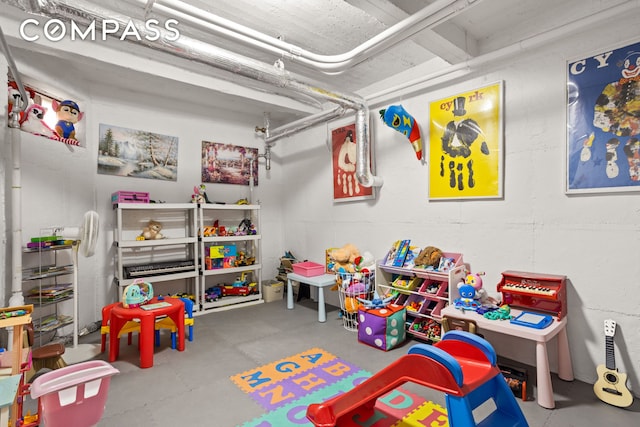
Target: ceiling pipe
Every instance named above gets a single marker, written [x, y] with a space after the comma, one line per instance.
[271, 136]
[83, 12]
[428, 17]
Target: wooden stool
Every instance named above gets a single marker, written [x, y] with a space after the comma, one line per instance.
[48, 356]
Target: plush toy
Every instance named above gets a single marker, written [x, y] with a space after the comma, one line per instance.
[32, 122]
[68, 114]
[152, 231]
[396, 117]
[467, 297]
[365, 263]
[344, 258]
[481, 295]
[429, 256]
[14, 97]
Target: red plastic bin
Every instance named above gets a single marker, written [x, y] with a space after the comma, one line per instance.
[308, 269]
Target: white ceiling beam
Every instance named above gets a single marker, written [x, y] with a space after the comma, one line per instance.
[458, 46]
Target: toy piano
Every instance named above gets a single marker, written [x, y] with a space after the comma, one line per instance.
[544, 293]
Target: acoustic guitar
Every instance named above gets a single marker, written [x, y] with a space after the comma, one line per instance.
[611, 385]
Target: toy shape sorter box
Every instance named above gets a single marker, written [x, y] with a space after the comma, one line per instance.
[382, 328]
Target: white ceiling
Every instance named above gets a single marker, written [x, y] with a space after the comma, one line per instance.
[473, 30]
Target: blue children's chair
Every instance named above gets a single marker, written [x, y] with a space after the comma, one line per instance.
[462, 365]
[167, 323]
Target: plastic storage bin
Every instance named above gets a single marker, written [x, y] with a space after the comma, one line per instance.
[75, 395]
[308, 269]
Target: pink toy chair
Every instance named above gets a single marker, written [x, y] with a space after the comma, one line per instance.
[128, 329]
[74, 396]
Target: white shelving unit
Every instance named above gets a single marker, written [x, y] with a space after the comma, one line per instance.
[229, 217]
[47, 284]
[174, 257]
[429, 291]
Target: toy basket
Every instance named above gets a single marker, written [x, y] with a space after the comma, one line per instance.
[350, 287]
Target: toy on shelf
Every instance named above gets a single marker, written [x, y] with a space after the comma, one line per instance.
[68, 113]
[428, 327]
[33, 121]
[213, 293]
[152, 231]
[246, 228]
[430, 256]
[199, 194]
[136, 294]
[240, 287]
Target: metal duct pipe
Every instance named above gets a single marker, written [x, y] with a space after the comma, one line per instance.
[83, 12]
[428, 17]
[302, 124]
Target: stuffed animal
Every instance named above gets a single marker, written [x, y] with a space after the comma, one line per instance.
[481, 295]
[14, 97]
[152, 231]
[33, 122]
[429, 256]
[344, 258]
[68, 114]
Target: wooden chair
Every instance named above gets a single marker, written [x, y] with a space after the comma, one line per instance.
[457, 324]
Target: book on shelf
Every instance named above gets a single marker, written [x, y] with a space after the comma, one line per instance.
[52, 322]
[398, 253]
[50, 293]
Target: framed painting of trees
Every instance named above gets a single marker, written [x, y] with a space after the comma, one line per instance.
[137, 153]
[229, 164]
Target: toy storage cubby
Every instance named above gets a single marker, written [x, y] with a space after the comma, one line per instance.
[47, 284]
[230, 256]
[423, 292]
[170, 264]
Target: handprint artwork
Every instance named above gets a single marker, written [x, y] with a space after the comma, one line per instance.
[466, 143]
[345, 184]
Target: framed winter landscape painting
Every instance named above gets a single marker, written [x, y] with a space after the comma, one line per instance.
[137, 153]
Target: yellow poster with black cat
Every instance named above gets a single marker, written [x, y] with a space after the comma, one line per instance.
[466, 144]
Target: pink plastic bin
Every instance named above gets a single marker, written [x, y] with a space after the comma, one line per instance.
[73, 396]
[308, 269]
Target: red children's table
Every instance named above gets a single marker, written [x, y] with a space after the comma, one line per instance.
[120, 316]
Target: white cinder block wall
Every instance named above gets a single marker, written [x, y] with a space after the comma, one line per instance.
[593, 239]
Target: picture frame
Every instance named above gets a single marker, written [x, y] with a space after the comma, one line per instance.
[229, 164]
[602, 150]
[466, 140]
[137, 154]
[346, 187]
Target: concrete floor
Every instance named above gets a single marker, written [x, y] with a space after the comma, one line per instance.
[192, 388]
